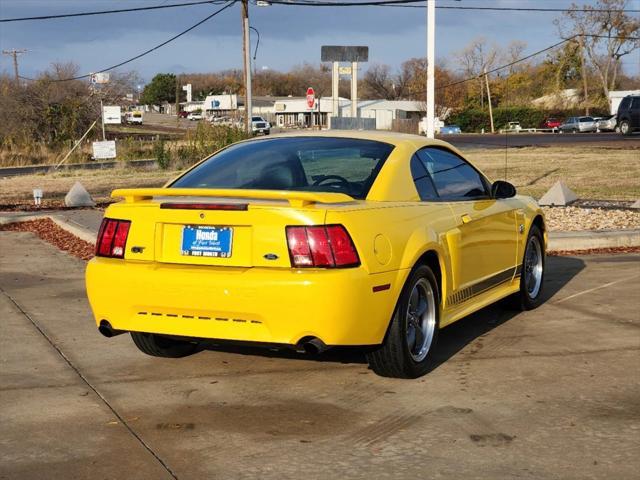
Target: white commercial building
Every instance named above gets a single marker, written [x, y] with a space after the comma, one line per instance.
[615, 97]
[386, 111]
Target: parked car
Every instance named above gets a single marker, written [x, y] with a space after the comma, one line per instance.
[606, 124]
[513, 127]
[282, 242]
[629, 114]
[578, 125]
[260, 125]
[551, 123]
[134, 117]
[183, 114]
[221, 121]
[193, 116]
[450, 130]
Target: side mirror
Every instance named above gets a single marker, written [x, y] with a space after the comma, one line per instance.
[502, 189]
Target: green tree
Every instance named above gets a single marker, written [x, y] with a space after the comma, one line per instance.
[162, 88]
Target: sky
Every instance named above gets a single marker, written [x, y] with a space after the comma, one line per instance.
[289, 35]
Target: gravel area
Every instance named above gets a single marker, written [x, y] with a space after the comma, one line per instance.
[568, 219]
[52, 233]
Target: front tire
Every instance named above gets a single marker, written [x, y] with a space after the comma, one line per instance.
[413, 332]
[159, 346]
[532, 273]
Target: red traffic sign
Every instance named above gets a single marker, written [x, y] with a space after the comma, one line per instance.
[311, 97]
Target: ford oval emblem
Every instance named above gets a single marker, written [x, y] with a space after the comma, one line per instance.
[270, 256]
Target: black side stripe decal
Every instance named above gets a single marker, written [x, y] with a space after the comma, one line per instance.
[466, 293]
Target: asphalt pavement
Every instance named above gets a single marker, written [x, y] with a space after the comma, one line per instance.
[547, 394]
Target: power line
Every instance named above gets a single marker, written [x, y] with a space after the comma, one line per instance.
[208, 17]
[104, 12]
[411, 4]
[510, 64]
[318, 3]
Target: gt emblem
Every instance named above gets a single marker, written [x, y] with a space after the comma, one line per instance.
[521, 228]
[270, 256]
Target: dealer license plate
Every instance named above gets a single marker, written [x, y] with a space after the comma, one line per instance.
[207, 241]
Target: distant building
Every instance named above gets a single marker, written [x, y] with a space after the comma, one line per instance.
[295, 112]
[386, 111]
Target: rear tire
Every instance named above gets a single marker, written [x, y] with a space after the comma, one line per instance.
[532, 273]
[159, 346]
[625, 127]
[413, 331]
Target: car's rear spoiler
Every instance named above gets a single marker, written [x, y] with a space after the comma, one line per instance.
[295, 199]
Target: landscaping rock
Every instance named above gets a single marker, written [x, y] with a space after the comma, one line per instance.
[78, 197]
[558, 195]
[636, 204]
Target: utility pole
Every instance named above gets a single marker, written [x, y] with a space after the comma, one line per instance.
[486, 79]
[14, 53]
[431, 58]
[583, 74]
[178, 100]
[246, 50]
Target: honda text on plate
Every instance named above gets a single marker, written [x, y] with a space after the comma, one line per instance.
[310, 241]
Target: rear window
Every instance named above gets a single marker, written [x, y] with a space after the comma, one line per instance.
[315, 164]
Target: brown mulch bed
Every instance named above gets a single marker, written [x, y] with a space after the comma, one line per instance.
[47, 230]
[594, 251]
[27, 206]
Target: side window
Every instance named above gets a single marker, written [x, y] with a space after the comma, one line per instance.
[635, 103]
[453, 177]
[422, 180]
[625, 103]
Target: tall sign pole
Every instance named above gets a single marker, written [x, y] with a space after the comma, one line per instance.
[431, 57]
[246, 50]
[354, 89]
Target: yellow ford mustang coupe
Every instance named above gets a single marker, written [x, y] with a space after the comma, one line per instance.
[312, 241]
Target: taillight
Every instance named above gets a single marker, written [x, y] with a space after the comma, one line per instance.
[327, 246]
[112, 238]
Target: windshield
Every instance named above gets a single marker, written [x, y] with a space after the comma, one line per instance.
[315, 164]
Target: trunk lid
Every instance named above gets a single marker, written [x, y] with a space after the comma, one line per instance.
[234, 228]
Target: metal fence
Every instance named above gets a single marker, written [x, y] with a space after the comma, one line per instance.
[353, 123]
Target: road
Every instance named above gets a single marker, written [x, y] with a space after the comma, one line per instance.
[551, 393]
[519, 140]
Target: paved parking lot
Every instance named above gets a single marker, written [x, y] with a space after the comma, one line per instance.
[553, 393]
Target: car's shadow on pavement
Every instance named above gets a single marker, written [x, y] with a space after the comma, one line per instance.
[558, 272]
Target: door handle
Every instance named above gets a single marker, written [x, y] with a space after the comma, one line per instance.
[466, 218]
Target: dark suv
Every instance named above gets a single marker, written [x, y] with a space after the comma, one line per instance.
[629, 114]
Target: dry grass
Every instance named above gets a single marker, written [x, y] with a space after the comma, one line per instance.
[594, 173]
[99, 183]
[591, 172]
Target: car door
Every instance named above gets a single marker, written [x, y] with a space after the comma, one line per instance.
[485, 241]
[634, 112]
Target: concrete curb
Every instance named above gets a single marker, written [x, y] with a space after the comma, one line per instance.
[68, 225]
[566, 241]
[588, 239]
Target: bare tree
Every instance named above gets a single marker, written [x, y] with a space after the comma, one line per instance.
[477, 58]
[514, 52]
[606, 33]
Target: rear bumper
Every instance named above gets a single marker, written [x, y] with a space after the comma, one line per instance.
[268, 305]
